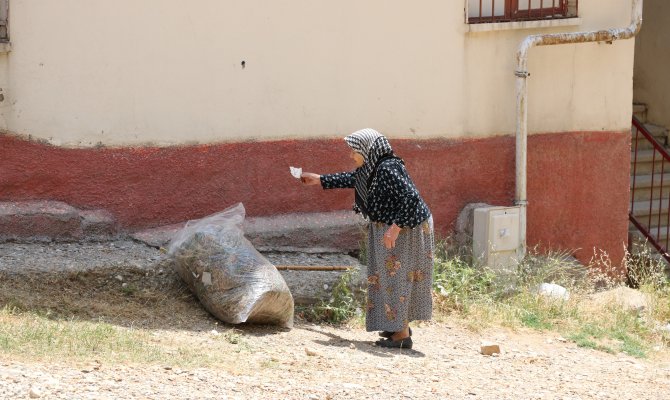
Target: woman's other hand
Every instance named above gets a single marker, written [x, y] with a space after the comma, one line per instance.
[391, 235]
[310, 179]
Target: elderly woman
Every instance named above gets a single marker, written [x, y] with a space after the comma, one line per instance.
[400, 234]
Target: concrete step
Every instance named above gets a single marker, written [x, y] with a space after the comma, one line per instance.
[657, 215]
[644, 144]
[337, 231]
[645, 159]
[46, 221]
[327, 232]
[643, 207]
[655, 223]
[658, 132]
[640, 111]
[660, 234]
[643, 189]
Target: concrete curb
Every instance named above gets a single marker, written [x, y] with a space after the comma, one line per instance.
[46, 221]
[330, 232]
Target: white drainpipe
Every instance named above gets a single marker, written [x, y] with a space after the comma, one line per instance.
[522, 74]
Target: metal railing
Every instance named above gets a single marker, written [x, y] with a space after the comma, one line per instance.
[488, 11]
[651, 216]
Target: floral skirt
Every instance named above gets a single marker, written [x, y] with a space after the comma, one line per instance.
[399, 279]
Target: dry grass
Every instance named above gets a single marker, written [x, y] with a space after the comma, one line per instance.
[137, 300]
[93, 315]
[28, 336]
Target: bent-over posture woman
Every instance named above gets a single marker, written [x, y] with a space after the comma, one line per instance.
[400, 234]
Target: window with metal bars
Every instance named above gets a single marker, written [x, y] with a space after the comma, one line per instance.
[4, 21]
[487, 11]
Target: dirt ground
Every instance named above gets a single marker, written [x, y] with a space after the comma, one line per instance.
[86, 281]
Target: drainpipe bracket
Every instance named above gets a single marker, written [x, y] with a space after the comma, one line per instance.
[522, 203]
[522, 74]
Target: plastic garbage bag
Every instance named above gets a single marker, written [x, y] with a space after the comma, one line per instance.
[232, 280]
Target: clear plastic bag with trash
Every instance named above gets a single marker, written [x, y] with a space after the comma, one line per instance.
[232, 280]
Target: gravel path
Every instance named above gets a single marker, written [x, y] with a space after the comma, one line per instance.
[323, 362]
[312, 362]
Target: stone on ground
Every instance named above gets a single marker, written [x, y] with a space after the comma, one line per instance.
[489, 348]
[624, 297]
[35, 393]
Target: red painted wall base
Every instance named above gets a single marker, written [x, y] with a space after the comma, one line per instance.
[577, 182]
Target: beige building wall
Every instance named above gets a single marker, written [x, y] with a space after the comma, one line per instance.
[652, 62]
[168, 72]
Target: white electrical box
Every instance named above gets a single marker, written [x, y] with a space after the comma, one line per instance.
[496, 236]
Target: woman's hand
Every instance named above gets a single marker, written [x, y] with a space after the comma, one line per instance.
[391, 235]
[310, 179]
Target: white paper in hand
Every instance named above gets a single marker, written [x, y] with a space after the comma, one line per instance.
[296, 172]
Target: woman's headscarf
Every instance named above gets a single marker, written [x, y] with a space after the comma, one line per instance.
[373, 146]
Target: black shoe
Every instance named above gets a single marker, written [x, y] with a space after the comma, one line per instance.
[387, 334]
[405, 343]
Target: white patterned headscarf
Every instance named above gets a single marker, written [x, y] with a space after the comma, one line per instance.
[372, 145]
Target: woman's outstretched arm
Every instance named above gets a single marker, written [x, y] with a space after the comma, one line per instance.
[339, 180]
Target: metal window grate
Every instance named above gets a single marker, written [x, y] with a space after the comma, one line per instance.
[487, 11]
[4, 21]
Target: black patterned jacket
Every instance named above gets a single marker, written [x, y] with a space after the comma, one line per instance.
[392, 196]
